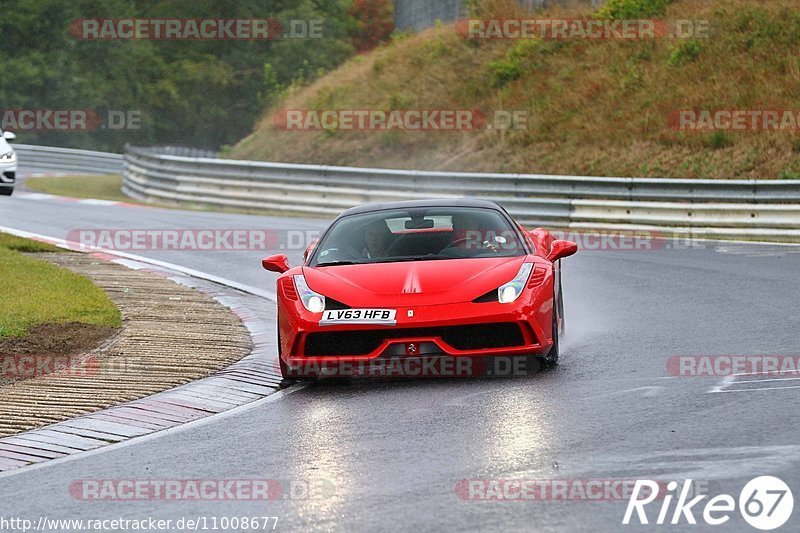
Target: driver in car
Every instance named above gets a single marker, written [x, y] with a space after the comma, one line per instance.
[466, 232]
[377, 236]
[470, 236]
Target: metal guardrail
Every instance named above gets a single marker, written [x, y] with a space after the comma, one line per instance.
[49, 159]
[739, 209]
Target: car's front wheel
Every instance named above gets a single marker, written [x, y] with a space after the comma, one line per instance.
[551, 359]
[284, 368]
[563, 321]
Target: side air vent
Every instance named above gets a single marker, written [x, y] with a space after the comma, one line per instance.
[289, 290]
[537, 277]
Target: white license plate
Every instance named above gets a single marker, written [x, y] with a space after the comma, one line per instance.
[385, 317]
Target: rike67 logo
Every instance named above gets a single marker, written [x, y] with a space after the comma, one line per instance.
[766, 503]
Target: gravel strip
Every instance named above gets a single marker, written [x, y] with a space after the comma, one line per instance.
[170, 335]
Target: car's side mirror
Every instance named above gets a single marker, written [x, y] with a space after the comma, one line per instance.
[542, 241]
[561, 249]
[9, 135]
[276, 263]
[310, 249]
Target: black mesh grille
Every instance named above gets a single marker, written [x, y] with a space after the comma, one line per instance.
[490, 296]
[472, 337]
[334, 305]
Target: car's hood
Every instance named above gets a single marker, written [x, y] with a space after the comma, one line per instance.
[413, 283]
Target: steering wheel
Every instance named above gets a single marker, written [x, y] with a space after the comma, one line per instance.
[390, 249]
[455, 243]
[485, 245]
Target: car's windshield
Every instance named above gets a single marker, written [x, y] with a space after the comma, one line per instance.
[418, 234]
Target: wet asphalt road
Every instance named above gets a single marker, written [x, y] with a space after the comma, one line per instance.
[389, 456]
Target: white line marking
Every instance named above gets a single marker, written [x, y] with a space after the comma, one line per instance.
[765, 380]
[761, 372]
[758, 389]
[726, 382]
[730, 380]
[158, 434]
[36, 196]
[91, 201]
[70, 245]
[650, 391]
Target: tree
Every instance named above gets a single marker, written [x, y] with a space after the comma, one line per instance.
[374, 23]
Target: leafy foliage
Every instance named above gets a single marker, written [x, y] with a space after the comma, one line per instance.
[374, 23]
[200, 93]
[684, 52]
[518, 61]
[633, 9]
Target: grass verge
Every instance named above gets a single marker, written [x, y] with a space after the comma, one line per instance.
[34, 292]
[109, 188]
[96, 187]
[594, 107]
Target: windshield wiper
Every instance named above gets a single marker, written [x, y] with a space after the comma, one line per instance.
[388, 260]
[339, 263]
[420, 258]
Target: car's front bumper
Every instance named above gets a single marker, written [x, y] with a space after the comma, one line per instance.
[8, 174]
[427, 341]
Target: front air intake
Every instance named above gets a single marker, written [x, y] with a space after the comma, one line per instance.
[465, 338]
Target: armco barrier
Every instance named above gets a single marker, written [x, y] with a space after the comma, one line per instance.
[736, 209]
[51, 160]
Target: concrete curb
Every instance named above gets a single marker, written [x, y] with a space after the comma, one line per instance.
[250, 379]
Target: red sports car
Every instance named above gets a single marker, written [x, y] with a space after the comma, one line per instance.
[433, 288]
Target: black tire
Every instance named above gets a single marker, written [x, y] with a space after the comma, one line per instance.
[551, 359]
[285, 374]
[6, 191]
[561, 315]
[534, 365]
[281, 364]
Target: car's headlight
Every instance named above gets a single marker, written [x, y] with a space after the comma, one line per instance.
[312, 301]
[10, 156]
[513, 289]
